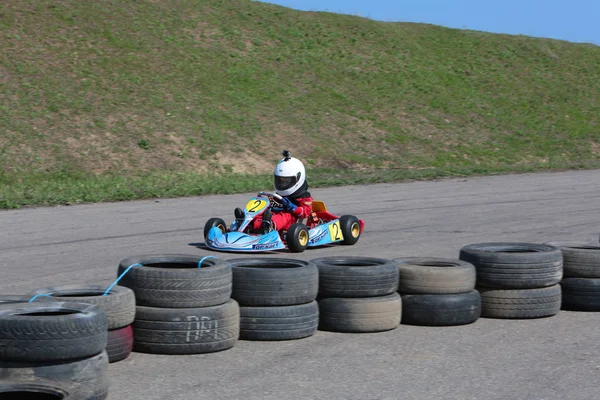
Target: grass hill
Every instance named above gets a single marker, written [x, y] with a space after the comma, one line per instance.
[112, 100]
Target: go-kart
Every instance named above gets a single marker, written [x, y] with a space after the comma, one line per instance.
[320, 228]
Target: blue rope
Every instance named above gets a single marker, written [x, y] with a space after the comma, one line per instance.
[120, 276]
[202, 259]
[39, 295]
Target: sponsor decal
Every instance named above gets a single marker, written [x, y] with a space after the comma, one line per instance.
[318, 237]
[264, 246]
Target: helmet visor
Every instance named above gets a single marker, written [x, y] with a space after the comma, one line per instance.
[285, 182]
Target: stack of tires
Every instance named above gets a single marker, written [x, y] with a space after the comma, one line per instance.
[516, 280]
[118, 306]
[183, 304]
[53, 349]
[581, 276]
[358, 294]
[276, 297]
[438, 292]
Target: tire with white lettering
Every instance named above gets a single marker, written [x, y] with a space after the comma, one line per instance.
[186, 330]
[367, 314]
[514, 265]
[119, 343]
[279, 322]
[261, 281]
[441, 309]
[351, 276]
[51, 331]
[118, 304]
[520, 304]
[435, 275]
[177, 281]
[580, 294]
[580, 260]
[89, 375]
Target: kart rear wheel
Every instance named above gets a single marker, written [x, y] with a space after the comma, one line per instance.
[350, 229]
[297, 238]
[211, 223]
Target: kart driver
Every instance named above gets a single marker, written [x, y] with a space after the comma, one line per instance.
[291, 185]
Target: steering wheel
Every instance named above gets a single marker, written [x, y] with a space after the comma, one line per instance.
[274, 198]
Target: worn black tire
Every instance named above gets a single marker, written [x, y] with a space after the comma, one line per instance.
[119, 344]
[211, 223]
[441, 309]
[520, 304]
[89, 375]
[435, 275]
[118, 305]
[350, 229]
[297, 238]
[352, 276]
[175, 281]
[580, 294]
[51, 331]
[40, 390]
[279, 322]
[514, 265]
[186, 330]
[261, 281]
[367, 314]
[580, 260]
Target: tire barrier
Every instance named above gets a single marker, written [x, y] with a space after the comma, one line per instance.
[183, 305]
[516, 280]
[358, 294]
[61, 344]
[118, 305]
[438, 291]
[276, 297]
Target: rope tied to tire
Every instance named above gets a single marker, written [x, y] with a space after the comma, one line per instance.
[39, 295]
[204, 258]
[121, 276]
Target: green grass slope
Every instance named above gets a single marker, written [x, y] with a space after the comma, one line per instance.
[111, 100]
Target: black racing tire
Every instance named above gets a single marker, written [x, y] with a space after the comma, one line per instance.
[175, 281]
[261, 281]
[435, 275]
[51, 331]
[39, 390]
[186, 330]
[118, 305]
[352, 276]
[297, 238]
[119, 344]
[350, 226]
[514, 265]
[211, 223]
[580, 260]
[580, 294]
[441, 309]
[89, 375]
[279, 322]
[14, 298]
[360, 315]
[520, 304]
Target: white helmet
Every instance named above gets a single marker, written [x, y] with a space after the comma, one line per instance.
[289, 175]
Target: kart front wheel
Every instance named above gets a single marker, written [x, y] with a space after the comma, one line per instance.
[350, 229]
[211, 223]
[297, 238]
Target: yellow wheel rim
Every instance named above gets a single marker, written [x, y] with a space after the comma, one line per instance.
[355, 231]
[222, 228]
[303, 238]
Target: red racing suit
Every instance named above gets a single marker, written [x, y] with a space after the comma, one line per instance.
[282, 220]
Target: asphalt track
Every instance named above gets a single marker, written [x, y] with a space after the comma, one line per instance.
[550, 358]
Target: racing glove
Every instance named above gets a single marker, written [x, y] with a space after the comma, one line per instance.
[287, 205]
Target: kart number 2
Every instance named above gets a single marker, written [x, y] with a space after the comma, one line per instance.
[335, 231]
[255, 205]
